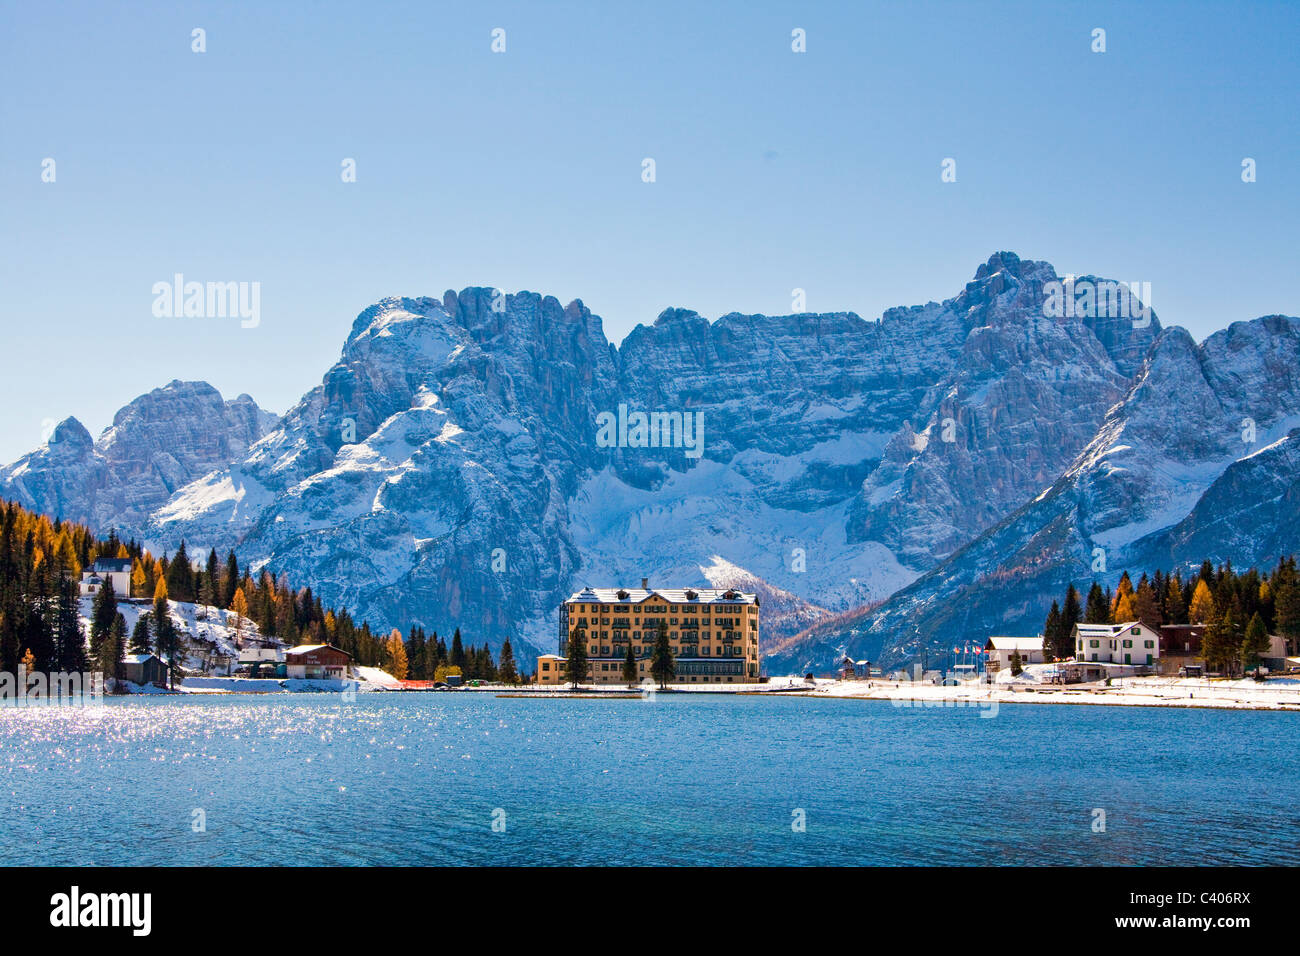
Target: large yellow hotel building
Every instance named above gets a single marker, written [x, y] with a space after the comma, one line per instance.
[713, 633]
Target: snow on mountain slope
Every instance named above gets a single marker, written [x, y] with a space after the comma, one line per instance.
[1161, 460]
[157, 444]
[209, 639]
[449, 470]
[1024, 397]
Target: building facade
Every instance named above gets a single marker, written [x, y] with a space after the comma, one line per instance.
[317, 662]
[999, 651]
[1133, 643]
[116, 570]
[144, 669]
[713, 633]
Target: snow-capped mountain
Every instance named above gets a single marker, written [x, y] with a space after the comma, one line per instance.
[449, 468]
[471, 460]
[156, 445]
[1198, 461]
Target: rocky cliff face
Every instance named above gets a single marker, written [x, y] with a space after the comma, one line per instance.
[1197, 461]
[156, 445]
[1024, 396]
[471, 460]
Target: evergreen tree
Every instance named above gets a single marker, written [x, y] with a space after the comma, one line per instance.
[111, 650]
[1286, 613]
[102, 615]
[662, 666]
[1175, 611]
[1098, 608]
[1017, 663]
[629, 666]
[1146, 604]
[1255, 642]
[180, 576]
[457, 656]
[141, 638]
[578, 666]
[69, 641]
[1071, 614]
[229, 580]
[415, 653]
[508, 672]
[1051, 632]
[1219, 646]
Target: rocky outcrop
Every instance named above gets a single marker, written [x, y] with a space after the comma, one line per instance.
[157, 444]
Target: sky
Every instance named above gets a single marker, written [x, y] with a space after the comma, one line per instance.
[774, 170]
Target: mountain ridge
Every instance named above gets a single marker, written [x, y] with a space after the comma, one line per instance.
[447, 469]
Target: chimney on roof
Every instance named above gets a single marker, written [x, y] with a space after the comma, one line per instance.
[645, 584]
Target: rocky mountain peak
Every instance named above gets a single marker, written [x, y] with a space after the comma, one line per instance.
[71, 436]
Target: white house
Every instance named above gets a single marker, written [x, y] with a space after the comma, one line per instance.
[261, 655]
[1133, 643]
[1000, 649]
[116, 570]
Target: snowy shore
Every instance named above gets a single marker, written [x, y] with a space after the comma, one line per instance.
[1275, 694]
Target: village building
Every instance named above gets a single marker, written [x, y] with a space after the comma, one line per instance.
[1275, 658]
[713, 633]
[854, 670]
[1180, 647]
[999, 651]
[550, 669]
[144, 669]
[317, 662]
[260, 661]
[1134, 643]
[116, 570]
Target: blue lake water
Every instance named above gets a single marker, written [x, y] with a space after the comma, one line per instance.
[420, 778]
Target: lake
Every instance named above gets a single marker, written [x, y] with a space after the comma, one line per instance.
[470, 778]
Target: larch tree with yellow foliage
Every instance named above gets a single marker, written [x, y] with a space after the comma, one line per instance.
[395, 651]
[239, 608]
[1202, 610]
[164, 631]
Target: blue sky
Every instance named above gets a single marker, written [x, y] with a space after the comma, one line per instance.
[522, 170]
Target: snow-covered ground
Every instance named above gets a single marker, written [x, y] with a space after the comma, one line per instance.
[376, 678]
[209, 637]
[1274, 694]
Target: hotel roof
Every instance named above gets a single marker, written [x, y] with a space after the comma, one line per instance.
[671, 595]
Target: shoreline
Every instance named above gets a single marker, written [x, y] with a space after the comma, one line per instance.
[1198, 693]
[1187, 693]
